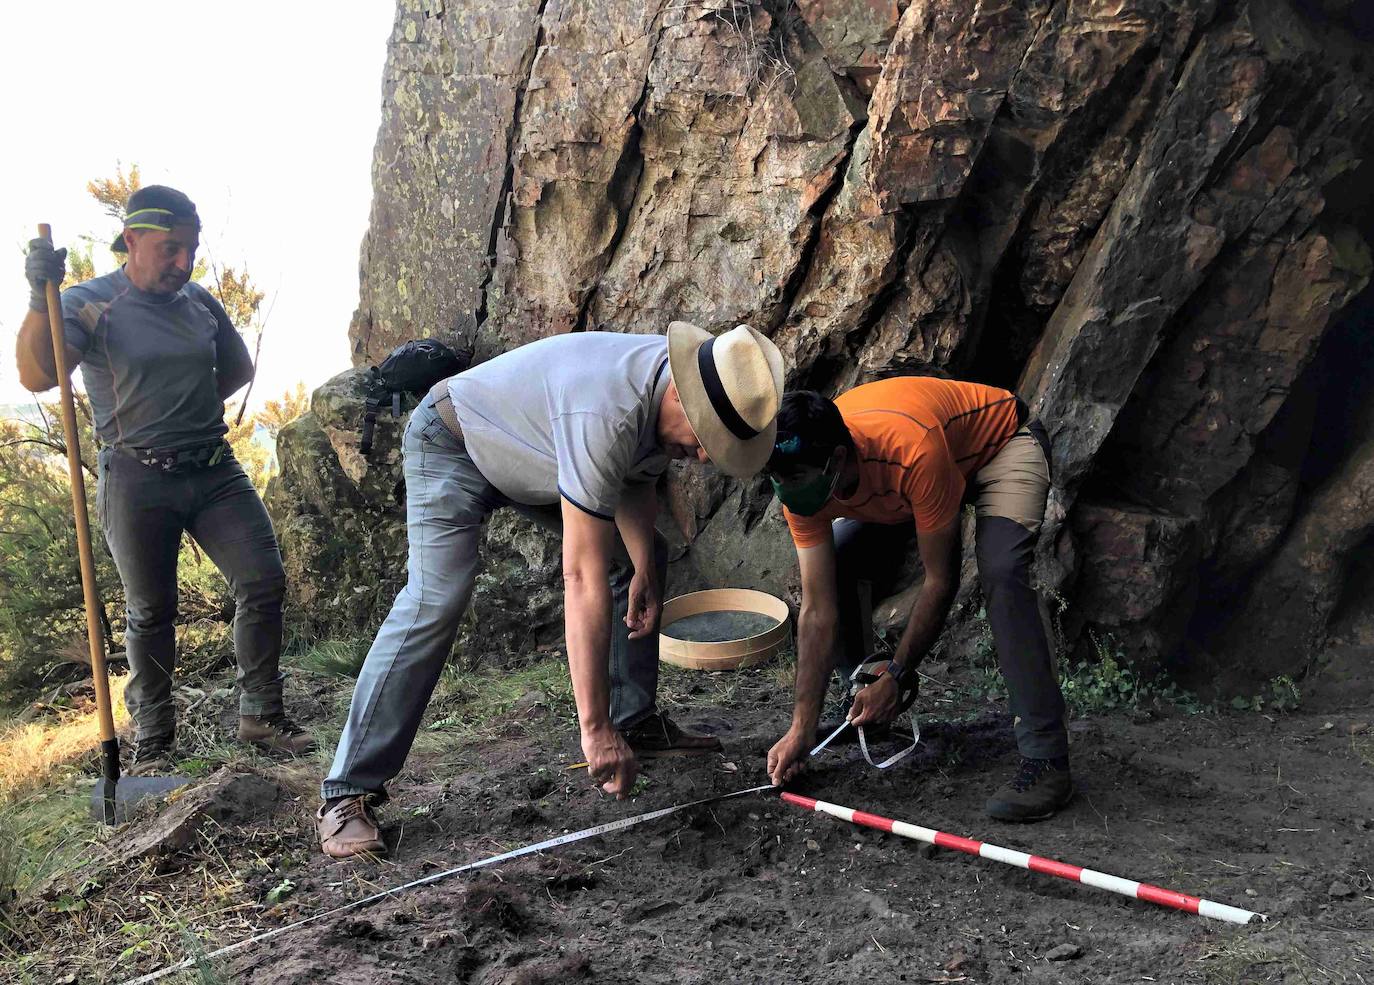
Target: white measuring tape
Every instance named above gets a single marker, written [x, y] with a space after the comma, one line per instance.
[892, 760]
[566, 839]
[860, 675]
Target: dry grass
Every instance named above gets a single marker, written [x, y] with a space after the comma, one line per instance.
[1362, 745]
[153, 912]
[1252, 960]
[30, 752]
[147, 912]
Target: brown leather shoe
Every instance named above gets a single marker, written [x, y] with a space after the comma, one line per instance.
[348, 828]
[658, 736]
[275, 733]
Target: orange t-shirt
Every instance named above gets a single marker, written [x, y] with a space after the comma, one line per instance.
[919, 438]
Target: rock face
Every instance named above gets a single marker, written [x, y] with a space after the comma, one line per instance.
[1150, 218]
[341, 522]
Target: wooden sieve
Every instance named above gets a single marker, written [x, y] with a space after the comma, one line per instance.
[725, 654]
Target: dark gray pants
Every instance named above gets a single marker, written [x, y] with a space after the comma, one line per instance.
[1009, 498]
[144, 512]
[448, 501]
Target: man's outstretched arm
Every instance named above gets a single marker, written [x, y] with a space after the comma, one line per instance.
[587, 544]
[816, 627]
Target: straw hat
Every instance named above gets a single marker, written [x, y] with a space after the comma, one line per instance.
[730, 386]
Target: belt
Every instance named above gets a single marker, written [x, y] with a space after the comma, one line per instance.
[443, 406]
[180, 459]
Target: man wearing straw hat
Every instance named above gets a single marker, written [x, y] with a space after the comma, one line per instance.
[158, 356]
[858, 477]
[572, 431]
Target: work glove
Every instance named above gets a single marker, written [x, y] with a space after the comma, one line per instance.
[43, 264]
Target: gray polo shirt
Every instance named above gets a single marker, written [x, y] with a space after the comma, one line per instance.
[574, 416]
[150, 361]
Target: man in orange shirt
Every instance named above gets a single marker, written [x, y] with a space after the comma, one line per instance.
[859, 476]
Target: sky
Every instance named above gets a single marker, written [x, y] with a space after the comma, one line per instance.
[264, 113]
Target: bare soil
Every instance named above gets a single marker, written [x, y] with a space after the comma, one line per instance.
[1272, 813]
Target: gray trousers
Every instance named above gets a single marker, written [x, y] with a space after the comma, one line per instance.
[1008, 495]
[144, 512]
[447, 502]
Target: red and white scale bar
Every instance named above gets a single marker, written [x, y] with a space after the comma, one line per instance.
[1022, 860]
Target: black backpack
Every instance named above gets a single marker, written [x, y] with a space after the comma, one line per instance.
[412, 367]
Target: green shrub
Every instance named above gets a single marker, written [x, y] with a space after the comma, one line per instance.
[1109, 683]
[42, 611]
[1282, 695]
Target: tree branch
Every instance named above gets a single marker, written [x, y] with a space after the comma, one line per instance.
[58, 447]
[257, 353]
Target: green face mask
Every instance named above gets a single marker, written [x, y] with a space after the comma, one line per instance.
[806, 498]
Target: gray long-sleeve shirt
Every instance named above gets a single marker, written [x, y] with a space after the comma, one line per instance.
[151, 362]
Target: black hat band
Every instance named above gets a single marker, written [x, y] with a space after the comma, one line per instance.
[720, 400]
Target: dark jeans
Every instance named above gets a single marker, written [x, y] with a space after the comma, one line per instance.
[144, 512]
[1009, 497]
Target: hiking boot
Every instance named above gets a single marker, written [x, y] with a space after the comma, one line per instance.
[1037, 791]
[275, 733]
[348, 828]
[152, 755]
[657, 735]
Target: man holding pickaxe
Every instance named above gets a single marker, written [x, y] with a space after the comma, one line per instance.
[857, 478]
[158, 356]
